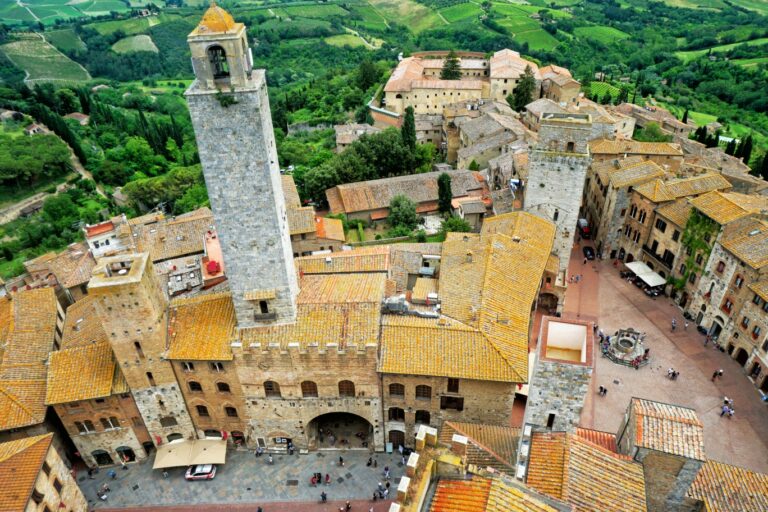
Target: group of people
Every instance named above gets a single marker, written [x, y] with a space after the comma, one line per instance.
[103, 491]
[727, 409]
[317, 478]
[672, 374]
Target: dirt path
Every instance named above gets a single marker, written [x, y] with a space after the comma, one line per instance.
[85, 173]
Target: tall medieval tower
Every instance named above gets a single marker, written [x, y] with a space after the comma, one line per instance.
[229, 106]
[133, 311]
[556, 173]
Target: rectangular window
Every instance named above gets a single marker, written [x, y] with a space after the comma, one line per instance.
[150, 378]
[756, 299]
[217, 367]
[187, 366]
[745, 322]
[661, 225]
[676, 236]
[756, 331]
[57, 485]
[452, 402]
[453, 385]
[46, 468]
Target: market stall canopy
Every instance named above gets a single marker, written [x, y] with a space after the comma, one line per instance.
[645, 273]
[191, 453]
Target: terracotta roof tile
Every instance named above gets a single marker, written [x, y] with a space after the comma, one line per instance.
[728, 207]
[488, 445]
[20, 464]
[461, 495]
[760, 288]
[301, 220]
[726, 488]
[290, 192]
[173, 238]
[632, 147]
[81, 373]
[605, 439]
[678, 212]
[747, 239]
[330, 229]
[512, 497]
[585, 475]
[423, 287]
[367, 259]
[202, 328]
[668, 428]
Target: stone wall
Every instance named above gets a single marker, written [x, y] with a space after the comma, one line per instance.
[484, 402]
[209, 376]
[109, 441]
[70, 494]
[290, 414]
[239, 159]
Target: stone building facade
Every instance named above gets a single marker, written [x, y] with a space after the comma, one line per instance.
[237, 150]
[106, 430]
[556, 174]
[757, 310]
[413, 400]
[132, 307]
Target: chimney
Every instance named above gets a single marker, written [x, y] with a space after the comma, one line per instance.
[459, 445]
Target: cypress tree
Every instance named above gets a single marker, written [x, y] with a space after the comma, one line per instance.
[408, 130]
[521, 96]
[764, 167]
[730, 148]
[685, 116]
[746, 149]
[444, 193]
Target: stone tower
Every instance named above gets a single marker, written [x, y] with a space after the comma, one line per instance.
[556, 173]
[229, 106]
[132, 308]
[559, 381]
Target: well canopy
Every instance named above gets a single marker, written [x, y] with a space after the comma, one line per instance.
[645, 273]
[190, 453]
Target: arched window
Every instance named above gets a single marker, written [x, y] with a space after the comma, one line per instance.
[218, 59]
[110, 423]
[347, 388]
[556, 215]
[272, 389]
[720, 266]
[308, 389]
[569, 148]
[231, 412]
[80, 427]
[399, 96]
[739, 281]
[223, 387]
[174, 437]
[195, 386]
[423, 393]
[89, 426]
[202, 411]
[396, 414]
[396, 390]
[422, 417]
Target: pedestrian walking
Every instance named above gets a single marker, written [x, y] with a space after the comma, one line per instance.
[313, 481]
[386, 493]
[724, 410]
[714, 375]
[381, 487]
[341, 461]
[323, 497]
[707, 339]
[386, 472]
[112, 474]
[348, 506]
[720, 373]
[270, 460]
[674, 324]
[600, 391]
[731, 412]
[670, 372]
[685, 325]
[165, 473]
[370, 462]
[375, 463]
[585, 261]
[327, 479]
[259, 509]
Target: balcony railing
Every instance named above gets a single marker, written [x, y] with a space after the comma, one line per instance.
[666, 264]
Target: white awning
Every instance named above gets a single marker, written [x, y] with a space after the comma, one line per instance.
[190, 453]
[645, 273]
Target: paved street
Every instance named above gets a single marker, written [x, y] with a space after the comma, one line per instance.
[246, 479]
[603, 295]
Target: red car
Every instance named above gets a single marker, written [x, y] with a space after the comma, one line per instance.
[201, 472]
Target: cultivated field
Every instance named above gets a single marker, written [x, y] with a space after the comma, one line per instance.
[460, 12]
[415, 16]
[131, 44]
[694, 54]
[42, 62]
[603, 34]
[65, 40]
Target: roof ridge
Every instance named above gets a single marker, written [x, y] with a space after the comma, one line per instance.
[13, 398]
[483, 446]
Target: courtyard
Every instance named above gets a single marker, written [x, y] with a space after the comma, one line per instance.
[602, 296]
[248, 481]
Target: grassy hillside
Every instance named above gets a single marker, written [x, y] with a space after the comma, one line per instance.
[686, 56]
[139, 43]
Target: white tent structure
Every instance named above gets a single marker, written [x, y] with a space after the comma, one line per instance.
[645, 273]
[190, 453]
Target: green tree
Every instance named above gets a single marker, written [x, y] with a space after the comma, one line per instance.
[684, 120]
[746, 149]
[60, 211]
[764, 167]
[367, 74]
[402, 212]
[523, 92]
[408, 130]
[451, 68]
[66, 101]
[623, 95]
[652, 133]
[194, 197]
[444, 193]
[606, 99]
[455, 224]
[474, 166]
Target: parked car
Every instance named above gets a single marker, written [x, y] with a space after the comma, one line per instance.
[589, 253]
[584, 229]
[201, 472]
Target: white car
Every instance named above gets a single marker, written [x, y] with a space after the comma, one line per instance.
[201, 472]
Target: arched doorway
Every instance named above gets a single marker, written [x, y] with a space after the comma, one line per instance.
[126, 453]
[212, 434]
[397, 438]
[741, 356]
[715, 329]
[102, 458]
[755, 370]
[683, 299]
[175, 437]
[339, 430]
[630, 258]
[238, 437]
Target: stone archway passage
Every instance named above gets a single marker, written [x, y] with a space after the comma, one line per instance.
[339, 430]
[741, 356]
[397, 438]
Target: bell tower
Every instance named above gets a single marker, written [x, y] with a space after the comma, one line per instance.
[229, 106]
